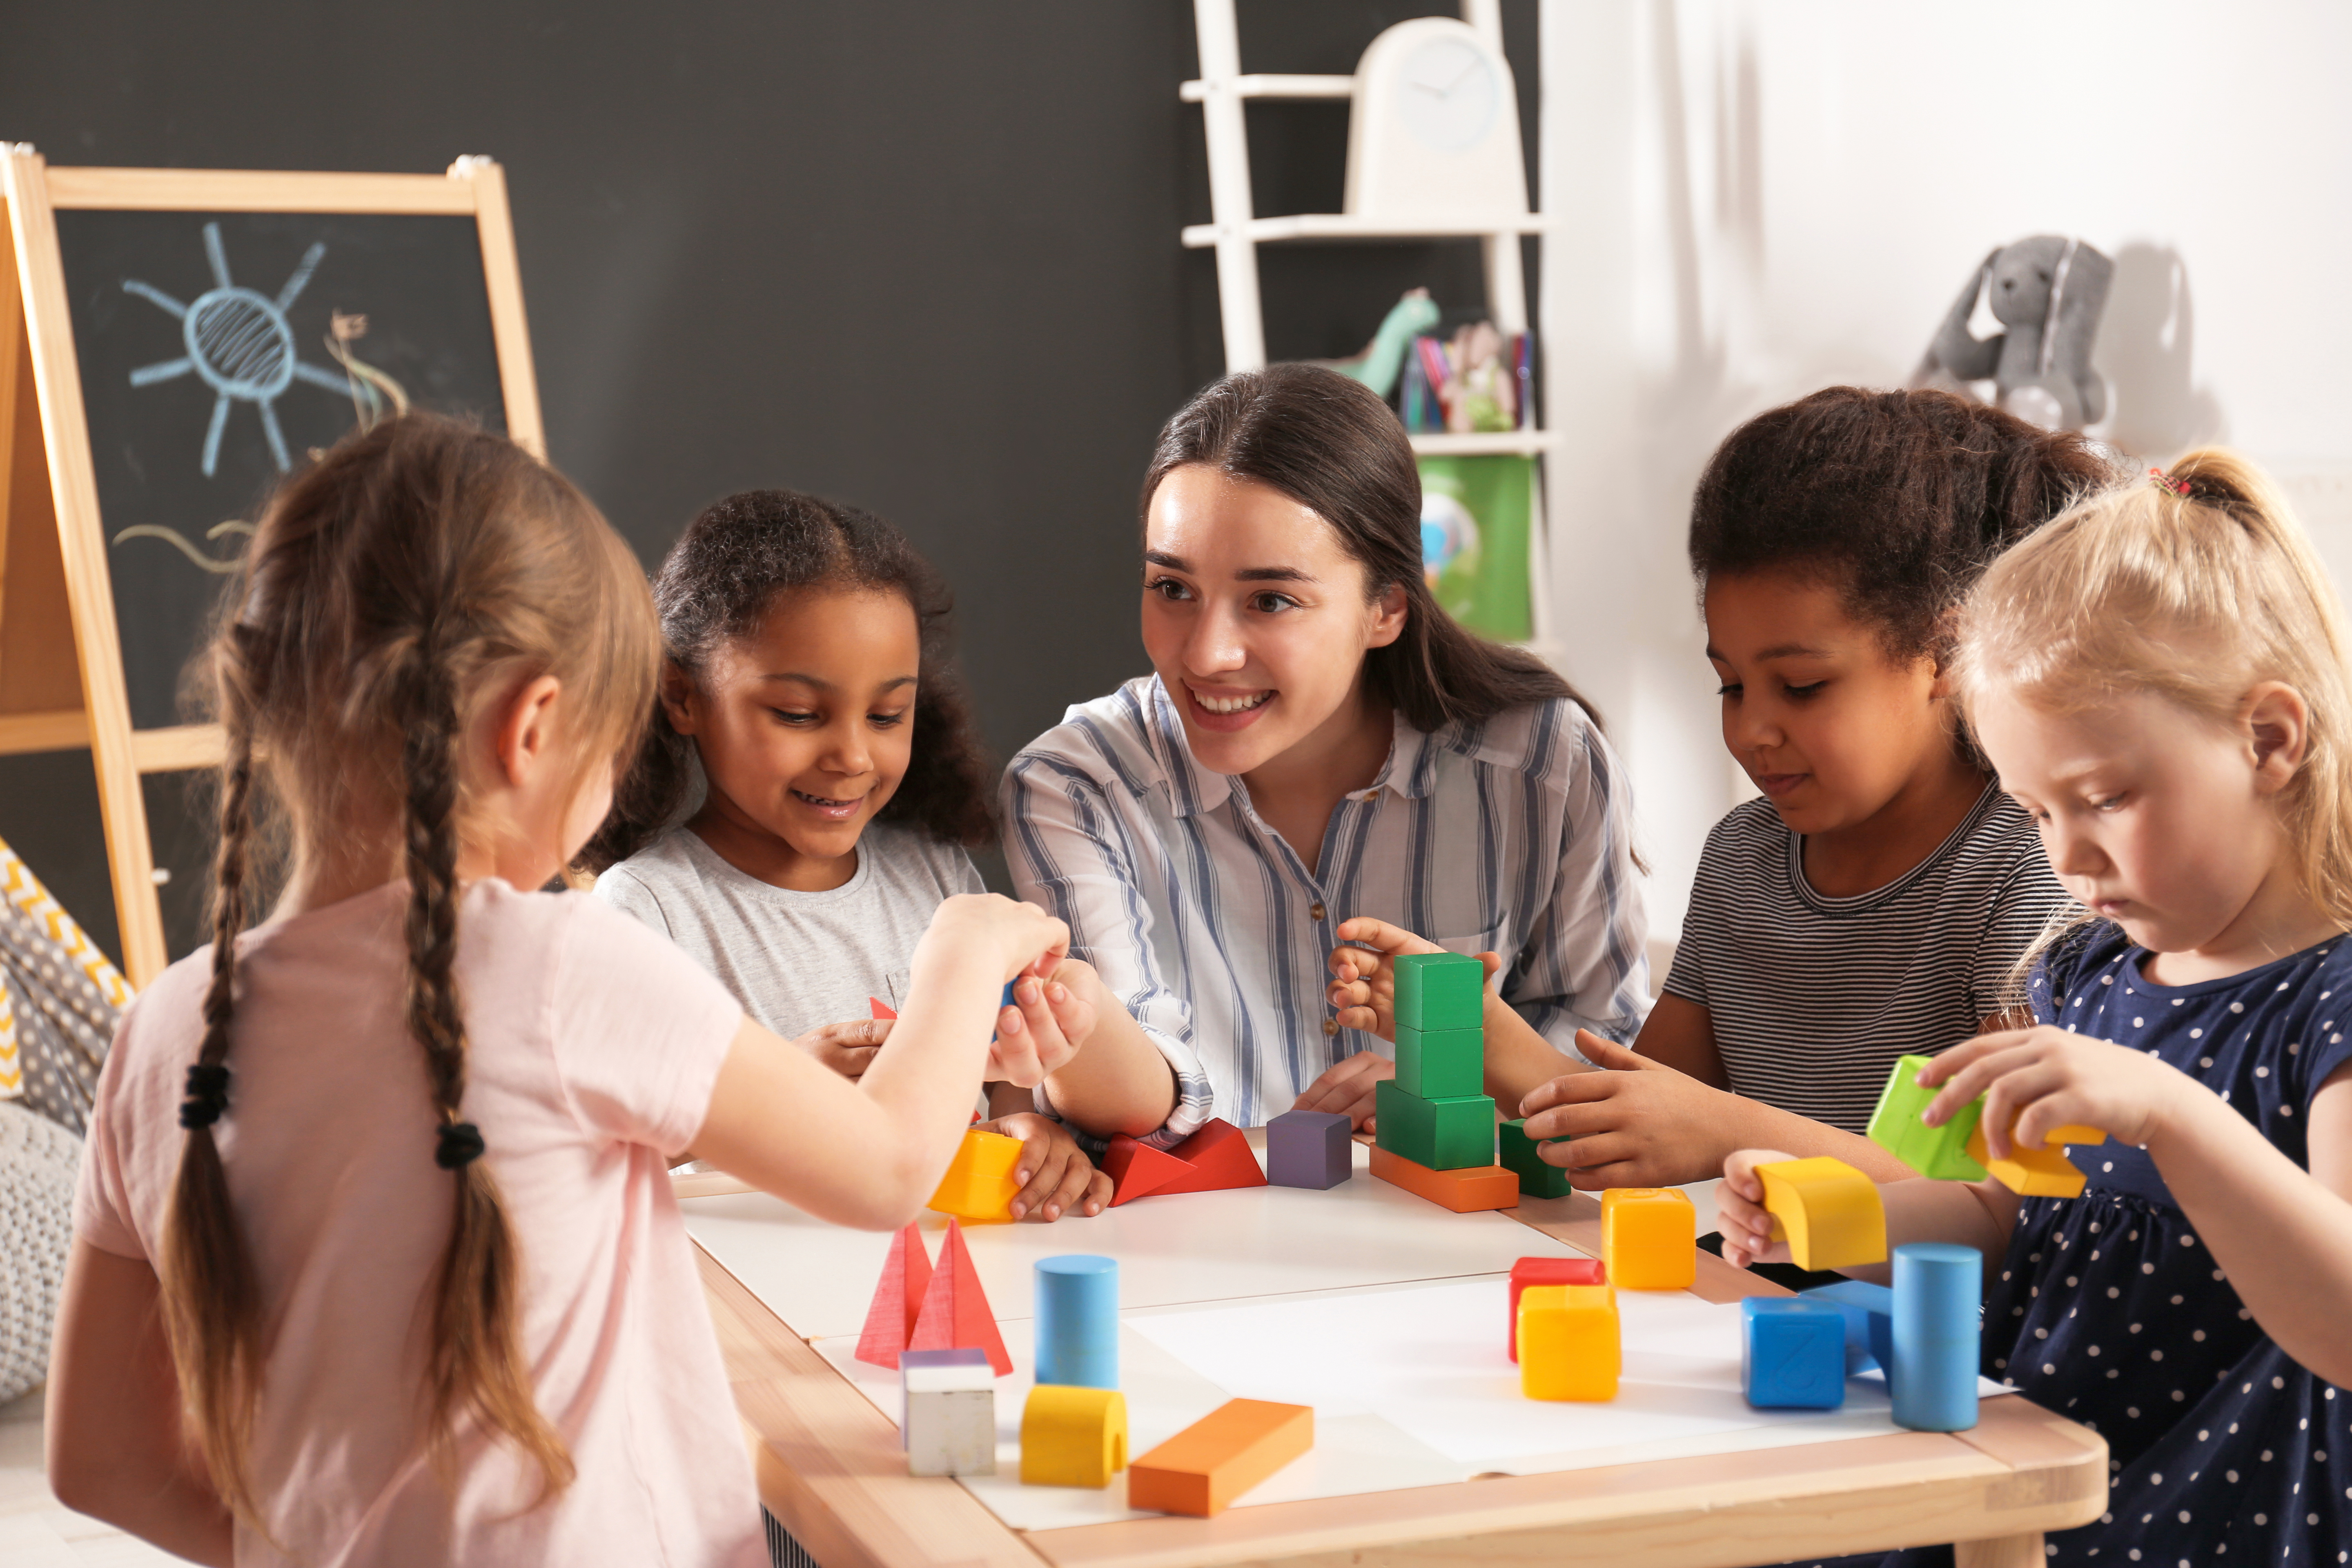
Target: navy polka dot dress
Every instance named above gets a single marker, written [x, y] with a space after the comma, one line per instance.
[2109, 1309]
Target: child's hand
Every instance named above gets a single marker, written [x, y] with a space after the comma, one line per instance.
[846, 1048]
[1351, 1086]
[1057, 1178]
[1049, 1020]
[1739, 1211]
[1640, 1123]
[1363, 980]
[1026, 940]
[2037, 1078]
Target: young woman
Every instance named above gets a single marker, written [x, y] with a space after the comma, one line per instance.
[1320, 741]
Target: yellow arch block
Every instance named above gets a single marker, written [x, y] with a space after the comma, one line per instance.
[2044, 1172]
[1072, 1437]
[1827, 1211]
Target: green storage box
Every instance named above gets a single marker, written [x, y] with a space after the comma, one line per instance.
[1516, 1152]
[1453, 1135]
[1440, 991]
[1441, 1064]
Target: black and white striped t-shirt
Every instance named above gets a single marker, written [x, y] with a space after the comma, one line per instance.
[1812, 998]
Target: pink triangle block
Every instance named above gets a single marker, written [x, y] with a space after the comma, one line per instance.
[955, 1315]
[897, 1300]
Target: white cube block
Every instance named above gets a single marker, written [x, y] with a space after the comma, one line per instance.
[951, 1431]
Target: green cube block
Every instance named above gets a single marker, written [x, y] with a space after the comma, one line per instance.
[1518, 1151]
[1937, 1152]
[1451, 1134]
[1441, 1064]
[1440, 991]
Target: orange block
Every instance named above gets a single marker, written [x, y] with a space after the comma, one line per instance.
[1465, 1191]
[897, 1300]
[1138, 1169]
[956, 1315]
[2044, 1172]
[1649, 1238]
[1218, 1458]
[1220, 1157]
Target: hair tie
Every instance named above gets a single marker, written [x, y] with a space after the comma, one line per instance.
[207, 1096]
[2163, 480]
[460, 1145]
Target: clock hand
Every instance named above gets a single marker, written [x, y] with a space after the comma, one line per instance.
[1463, 76]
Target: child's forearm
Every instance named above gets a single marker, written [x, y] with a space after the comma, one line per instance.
[1120, 1082]
[1517, 1057]
[1752, 1124]
[1968, 1213]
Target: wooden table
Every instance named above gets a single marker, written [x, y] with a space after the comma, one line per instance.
[830, 1467]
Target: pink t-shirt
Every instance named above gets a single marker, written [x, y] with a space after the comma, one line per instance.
[593, 1046]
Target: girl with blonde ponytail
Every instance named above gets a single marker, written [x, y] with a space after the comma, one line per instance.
[376, 1207]
[2160, 677]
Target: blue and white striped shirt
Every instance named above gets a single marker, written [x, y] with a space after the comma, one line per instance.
[1512, 835]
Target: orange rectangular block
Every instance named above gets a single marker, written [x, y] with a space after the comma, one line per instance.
[1464, 1192]
[1218, 1458]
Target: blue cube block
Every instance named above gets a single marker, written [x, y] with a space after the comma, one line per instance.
[1869, 1322]
[1791, 1354]
[1310, 1148]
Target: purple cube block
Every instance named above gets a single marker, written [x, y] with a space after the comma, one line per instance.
[1308, 1149]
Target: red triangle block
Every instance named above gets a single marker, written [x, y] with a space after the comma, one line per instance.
[1220, 1157]
[955, 1315]
[1136, 1169]
[897, 1300]
[881, 1009]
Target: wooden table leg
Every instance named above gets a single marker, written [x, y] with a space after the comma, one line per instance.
[2001, 1552]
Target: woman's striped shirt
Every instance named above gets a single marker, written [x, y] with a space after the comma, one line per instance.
[1512, 835]
[1814, 997]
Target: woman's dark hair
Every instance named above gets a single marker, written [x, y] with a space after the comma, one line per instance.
[720, 582]
[1332, 445]
[1901, 499]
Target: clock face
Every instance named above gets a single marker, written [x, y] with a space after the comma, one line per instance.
[1450, 95]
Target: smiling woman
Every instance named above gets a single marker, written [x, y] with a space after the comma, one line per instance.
[1320, 741]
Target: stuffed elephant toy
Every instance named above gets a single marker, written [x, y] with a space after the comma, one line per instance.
[2047, 293]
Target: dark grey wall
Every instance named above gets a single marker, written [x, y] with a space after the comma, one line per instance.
[917, 254]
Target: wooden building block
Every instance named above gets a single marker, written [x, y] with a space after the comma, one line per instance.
[955, 1315]
[1649, 1238]
[1828, 1211]
[979, 1186]
[1310, 1148]
[1443, 1134]
[1463, 1191]
[897, 1300]
[1937, 1152]
[1439, 991]
[1529, 1272]
[946, 1420]
[1137, 1170]
[1516, 1150]
[1215, 1459]
[1869, 1312]
[2044, 1172]
[1938, 1296]
[1219, 1157]
[1568, 1343]
[1791, 1354]
[1441, 1064]
[1077, 1321]
[1072, 1437]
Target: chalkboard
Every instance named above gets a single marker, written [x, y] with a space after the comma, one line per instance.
[210, 371]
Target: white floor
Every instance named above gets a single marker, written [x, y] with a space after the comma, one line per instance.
[35, 1530]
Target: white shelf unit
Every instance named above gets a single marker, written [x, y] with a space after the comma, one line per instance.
[1236, 231]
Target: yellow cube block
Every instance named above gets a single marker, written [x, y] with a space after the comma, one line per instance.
[1827, 1211]
[1649, 1238]
[1569, 1345]
[1072, 1437]
[979, 1186]
[2044, 1172]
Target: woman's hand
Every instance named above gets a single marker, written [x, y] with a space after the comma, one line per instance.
[2043, 1078]
[846, 1048]
[1739, 1210]
[1363, 977]
[1639, 1124]
[1350, 1087]
[1048, 1022]
[1056, 1177]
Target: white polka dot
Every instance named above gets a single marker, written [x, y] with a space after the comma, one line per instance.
[2237, 1006]
[2196, 1033]
[2139, 1023]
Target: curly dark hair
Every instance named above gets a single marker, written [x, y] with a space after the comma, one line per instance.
[1902, 497]
[718, 583]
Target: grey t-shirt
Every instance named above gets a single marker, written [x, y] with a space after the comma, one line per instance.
[796, 961]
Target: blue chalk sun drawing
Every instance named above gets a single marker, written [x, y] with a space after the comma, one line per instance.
[240, 344]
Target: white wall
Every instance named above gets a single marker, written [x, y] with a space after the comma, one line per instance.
[1767, 196]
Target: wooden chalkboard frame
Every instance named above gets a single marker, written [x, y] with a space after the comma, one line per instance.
[40, 578]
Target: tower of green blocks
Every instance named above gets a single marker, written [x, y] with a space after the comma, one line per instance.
[1432, 1112]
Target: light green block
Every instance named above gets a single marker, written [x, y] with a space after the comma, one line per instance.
[1516, 1150]
[1937, 1152]
[1441, 1064]
[1451, 1134]
[1440, 991]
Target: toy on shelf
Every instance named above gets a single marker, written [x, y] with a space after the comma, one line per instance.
[1957, 1151]
[2044, 1172]
[955, 1315]
[1212, 1159]
[1310, 1148]
[1828, 1212]
[1467, 1191]
[1072, 1437]
[1516, 1152]
[979, 1186]
[1225, 1453]
[1077, 1321]
[1568, 1343]
[1869, 1311]
[1938, 1291]
[1529, 1272]
[947, 1403]
[897, 1300]
[1649, 1238]
[1791, 1354]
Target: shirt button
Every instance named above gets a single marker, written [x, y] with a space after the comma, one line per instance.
[1330, 1026]
[1315, 910]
